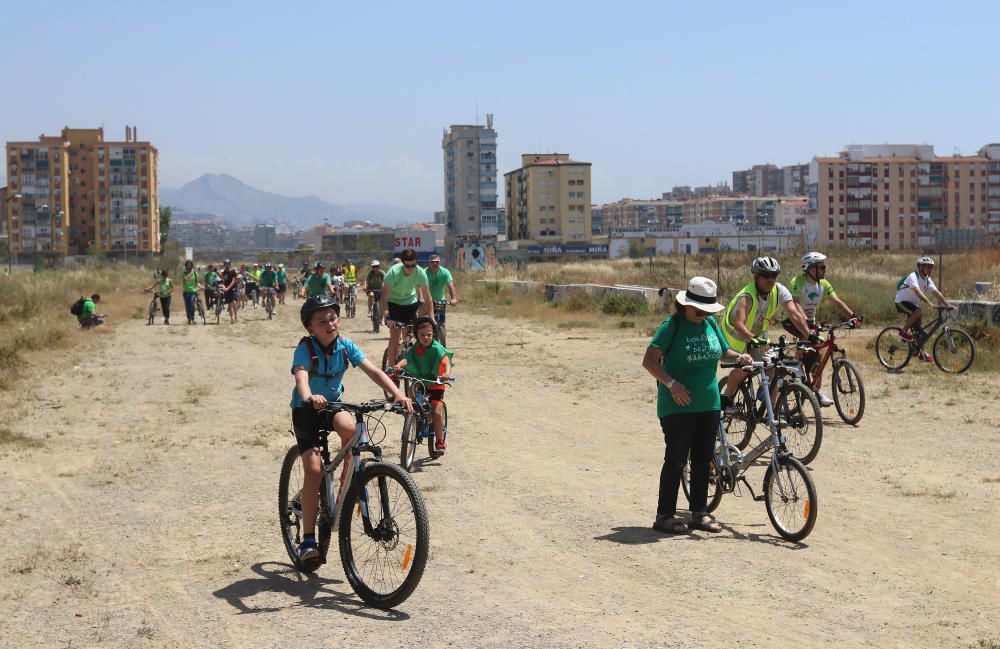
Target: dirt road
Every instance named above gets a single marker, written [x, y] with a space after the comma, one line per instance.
[148, 517]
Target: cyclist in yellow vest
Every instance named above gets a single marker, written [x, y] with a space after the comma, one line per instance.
[751, 312]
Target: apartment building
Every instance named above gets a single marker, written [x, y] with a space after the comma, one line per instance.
[896, 197]
[548, 199]
[75, 192]
[470, 179]
[771, 180]
[629, 215]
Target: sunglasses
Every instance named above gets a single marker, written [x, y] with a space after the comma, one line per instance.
[769, 275]
[413, 265]
[434, 261]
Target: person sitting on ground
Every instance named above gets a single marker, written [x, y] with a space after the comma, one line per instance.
[318, 365]
[87, 317]
[428, 359]
[910, 292]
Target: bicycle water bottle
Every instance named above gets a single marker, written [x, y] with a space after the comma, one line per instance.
[761, 393]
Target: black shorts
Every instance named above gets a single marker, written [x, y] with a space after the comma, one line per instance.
[307, 422]
[907, 308]
[231, 295]
[403, 313]
[435, 394]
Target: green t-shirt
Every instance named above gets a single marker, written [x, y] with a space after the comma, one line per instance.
[809, 294]
[282, 277]
[425, 365]
[437, 282]
[210, 279]
[318, 284]
[191, 282]
[88, 310]
[404, 287]
[166, 287]
[268, 278]
[691, 356]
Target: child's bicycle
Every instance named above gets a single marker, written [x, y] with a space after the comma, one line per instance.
[383, 530]
[788, 491]
[847, 386]
[953, 349]
[153, 306]
[420, 425]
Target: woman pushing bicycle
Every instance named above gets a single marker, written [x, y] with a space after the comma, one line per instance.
[683, 357]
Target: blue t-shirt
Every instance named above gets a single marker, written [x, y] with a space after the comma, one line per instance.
[332, 367]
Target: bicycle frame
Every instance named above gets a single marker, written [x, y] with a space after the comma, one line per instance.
[350, 453]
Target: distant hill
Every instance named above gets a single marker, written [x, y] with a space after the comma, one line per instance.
[241, 204]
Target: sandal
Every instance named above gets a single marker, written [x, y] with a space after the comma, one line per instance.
[705, 523]
[670, 525]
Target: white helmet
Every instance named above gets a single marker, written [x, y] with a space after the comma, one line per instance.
[375, 262]
[811, 259]
[925, 261]
[765, 265]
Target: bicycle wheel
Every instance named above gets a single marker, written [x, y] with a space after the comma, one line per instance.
[384, 566]
[891, 350]
[798, 417]
[385, 365]
[441, 336]
[201, 309]
[218, 308]
[740, 421]
[152, 311]
[431, 449]
[714, 490]
[376, 316]
[790, 499]
[848, 391]
[290, 511]
[408, 442]
[954, 351]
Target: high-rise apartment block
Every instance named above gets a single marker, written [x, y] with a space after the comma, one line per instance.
[548, 199]
[771, 180]
[470, 179]
[892, 197]
[75, 192]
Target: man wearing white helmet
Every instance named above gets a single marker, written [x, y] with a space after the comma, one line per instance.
[751, 312]
[372, 284]
[808, 290]
[910, 292]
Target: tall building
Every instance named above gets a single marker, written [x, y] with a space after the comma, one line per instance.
[893, 197]
[770, 180]
[548, 199]
[75, 192]
[470, 179]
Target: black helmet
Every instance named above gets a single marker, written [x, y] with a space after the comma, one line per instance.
[317, 303]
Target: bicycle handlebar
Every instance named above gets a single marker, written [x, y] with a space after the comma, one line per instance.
[439, 380]
[365, 407]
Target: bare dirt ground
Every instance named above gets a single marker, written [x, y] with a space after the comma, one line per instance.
[148, 518]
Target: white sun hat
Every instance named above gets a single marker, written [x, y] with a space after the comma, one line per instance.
[701, 293]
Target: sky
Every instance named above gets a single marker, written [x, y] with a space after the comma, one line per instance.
[348, 101]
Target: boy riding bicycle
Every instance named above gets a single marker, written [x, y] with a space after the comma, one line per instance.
[428, 360]
[318, 365]
[910, 291]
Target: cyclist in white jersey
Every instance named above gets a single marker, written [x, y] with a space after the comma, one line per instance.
[910, 292]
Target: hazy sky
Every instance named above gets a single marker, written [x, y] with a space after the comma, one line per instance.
[348, 100]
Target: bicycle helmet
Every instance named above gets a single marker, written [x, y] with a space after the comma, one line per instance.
[811, 259]
[925, 261]
[319, 264]
[375, 262]
[314, 304]
[765, 265]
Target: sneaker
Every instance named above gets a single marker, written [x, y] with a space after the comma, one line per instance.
[925, 357]
[824, 400]
[907, 336]
[308, 552]
[441, 446]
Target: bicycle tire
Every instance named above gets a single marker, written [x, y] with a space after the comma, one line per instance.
[201, 309]
[954, 339]
[289, 519]
[385, 365]
[441, 336]
[798, 408]
[796, 504]
[403, 546]
[848, 391]
[740, 426]
[714, 490]
[891, 350]
[431, 450]
[408, 442]
[376, 316]
[152, 312]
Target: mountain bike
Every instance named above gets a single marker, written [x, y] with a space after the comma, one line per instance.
[219, 299]
[269, 303]
[788, 491]
[199, 307]
[376, 309]
[420, 425]
[953, 349]
[848, 388]
[383, 529]
[351, 301]
[439, 312]
[153, 306]
[253, 293]
[796, 405]
[406, 341]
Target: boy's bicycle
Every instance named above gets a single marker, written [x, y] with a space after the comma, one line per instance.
[383, 530]
[796, 405]
[439, 310]
[848, 388]
[420, 425]
[788, 491]
[953, 349]
[351, 301]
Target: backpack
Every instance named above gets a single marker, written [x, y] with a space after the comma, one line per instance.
[314, 353]
[899, 284]
[77, 307]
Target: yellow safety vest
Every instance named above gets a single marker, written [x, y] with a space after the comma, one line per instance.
[735, 342]
[351, 274]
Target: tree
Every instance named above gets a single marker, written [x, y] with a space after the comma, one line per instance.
[165, 215]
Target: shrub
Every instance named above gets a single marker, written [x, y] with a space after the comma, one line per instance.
[628, 305]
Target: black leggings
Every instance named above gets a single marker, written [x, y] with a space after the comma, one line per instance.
[165, 305]
[686, 433]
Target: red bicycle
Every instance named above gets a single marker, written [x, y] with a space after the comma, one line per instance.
[848, 388]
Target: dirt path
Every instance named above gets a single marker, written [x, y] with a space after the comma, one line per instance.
[148, 518]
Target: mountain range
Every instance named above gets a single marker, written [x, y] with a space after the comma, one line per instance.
[240, 204]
